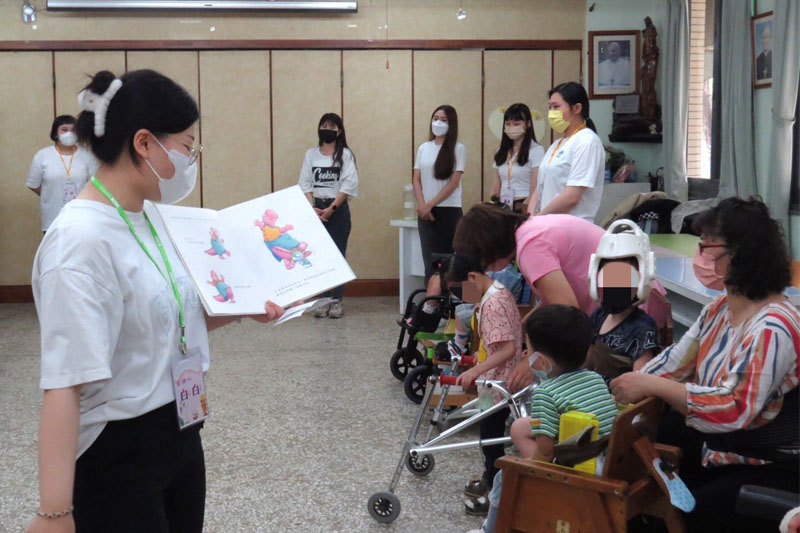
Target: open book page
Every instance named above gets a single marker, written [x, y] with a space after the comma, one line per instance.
[270, 248]
[295, 256]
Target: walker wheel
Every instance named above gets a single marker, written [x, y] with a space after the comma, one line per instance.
[420, 465]
[415, 382]
[384, 507]
[403, 360]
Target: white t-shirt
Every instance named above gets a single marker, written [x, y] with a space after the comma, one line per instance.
[320, 176]
[521, 175]
[578, 161]
[426, 158]
[109, 320]
[49, 173]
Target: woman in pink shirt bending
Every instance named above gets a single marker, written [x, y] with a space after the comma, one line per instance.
[552, 252]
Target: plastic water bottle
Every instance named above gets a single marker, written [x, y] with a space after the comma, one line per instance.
[409, 204]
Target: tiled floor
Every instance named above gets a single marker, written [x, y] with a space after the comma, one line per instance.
[306, 423]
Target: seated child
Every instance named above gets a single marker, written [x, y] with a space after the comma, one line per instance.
[557, 337]
[499, 326]
[620, 273]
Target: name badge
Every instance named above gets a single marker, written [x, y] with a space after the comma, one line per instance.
[190, 390]
[507, 195]
[70, 191]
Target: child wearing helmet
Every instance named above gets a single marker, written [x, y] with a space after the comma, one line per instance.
[620, 273]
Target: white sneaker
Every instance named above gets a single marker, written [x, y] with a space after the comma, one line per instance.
[323, 311]
[335, 309]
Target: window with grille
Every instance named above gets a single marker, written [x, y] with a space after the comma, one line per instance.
[702, 16]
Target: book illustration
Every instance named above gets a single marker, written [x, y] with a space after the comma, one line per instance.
[224, 290]
[280, 243]
[217, 245]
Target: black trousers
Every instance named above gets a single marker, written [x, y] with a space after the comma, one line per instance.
[715, 489]
[338, 226]
[437, 237]
[492, 427]
[142, 474]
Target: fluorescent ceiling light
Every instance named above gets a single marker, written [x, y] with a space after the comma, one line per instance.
[203, 5]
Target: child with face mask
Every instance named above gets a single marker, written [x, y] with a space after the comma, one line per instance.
[498, 323]
[557, 339]
[620, 274]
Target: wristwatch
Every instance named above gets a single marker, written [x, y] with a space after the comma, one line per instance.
[334, 206]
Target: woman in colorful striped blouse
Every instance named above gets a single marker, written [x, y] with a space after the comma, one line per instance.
[732, 380]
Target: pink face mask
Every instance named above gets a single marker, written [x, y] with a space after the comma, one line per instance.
[706, 273]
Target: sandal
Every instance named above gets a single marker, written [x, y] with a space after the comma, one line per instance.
[477, 506]
[476, 488]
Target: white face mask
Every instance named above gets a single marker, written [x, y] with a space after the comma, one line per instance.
[439, 127]
[182, 183]
[68, 138]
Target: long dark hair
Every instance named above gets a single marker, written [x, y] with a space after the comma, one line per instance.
[341, 139]
[147, 100]
[446, 160]
[760, 264]
[516, 112]
[573, 93]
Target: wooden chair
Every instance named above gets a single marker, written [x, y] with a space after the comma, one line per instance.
[543, 497]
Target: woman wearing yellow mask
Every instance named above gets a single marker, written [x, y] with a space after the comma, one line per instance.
[571, 173]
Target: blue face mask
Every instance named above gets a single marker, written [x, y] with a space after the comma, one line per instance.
[540, 374]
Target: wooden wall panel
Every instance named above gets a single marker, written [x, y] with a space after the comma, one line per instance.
[26, 110]
[377, 111]
[181, 67]
[454, 78]
[305, 85]
[518, 76]
[236, 126]
[73, 71]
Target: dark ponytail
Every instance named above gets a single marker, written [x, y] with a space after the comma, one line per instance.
[146, 100]
[573, 93]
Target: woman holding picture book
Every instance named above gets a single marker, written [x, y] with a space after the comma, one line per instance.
[122, 328]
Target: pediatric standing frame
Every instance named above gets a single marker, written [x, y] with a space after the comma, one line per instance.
[384, 506]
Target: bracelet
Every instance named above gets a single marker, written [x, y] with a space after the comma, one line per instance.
[59, 514]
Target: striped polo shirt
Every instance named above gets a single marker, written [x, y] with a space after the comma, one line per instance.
[579, 390]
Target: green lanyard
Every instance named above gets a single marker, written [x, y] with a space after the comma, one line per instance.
[171, 279]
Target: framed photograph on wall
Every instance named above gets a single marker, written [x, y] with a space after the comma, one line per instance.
[614, 63]
[761, 39]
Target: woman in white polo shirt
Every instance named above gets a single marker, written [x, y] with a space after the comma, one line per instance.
[437, 185]
[329, 178]
[571, 172]
[59, 172]
[516, 162]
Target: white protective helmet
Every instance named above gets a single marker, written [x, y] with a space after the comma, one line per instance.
[625, 239]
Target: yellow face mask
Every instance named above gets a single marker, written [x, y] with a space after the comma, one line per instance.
[556, 119]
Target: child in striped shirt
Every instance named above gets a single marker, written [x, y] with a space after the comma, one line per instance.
[558, 338]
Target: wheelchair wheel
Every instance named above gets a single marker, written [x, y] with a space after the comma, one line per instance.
[404, 360]
[415, 382]
[421, 465]
[384, 507]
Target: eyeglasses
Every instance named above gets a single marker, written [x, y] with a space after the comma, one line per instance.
[703, 247]
[194, 153]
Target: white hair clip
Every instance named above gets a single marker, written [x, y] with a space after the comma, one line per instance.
[98, 104]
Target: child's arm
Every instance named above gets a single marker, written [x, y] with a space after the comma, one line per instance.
[643, 359]
[544, 448]
[501, 352]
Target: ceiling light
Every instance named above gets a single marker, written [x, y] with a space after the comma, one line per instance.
[28, 12]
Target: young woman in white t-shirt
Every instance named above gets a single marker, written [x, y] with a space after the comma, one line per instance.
[516, 162]
[571, 172]
[116, 311]
[329, 178]
[59, 172]
[437, 185]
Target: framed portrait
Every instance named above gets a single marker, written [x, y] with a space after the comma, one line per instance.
[614, 63]
[761, 38]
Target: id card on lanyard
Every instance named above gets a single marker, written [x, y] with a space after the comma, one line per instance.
[188, 381]
[507, 194]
